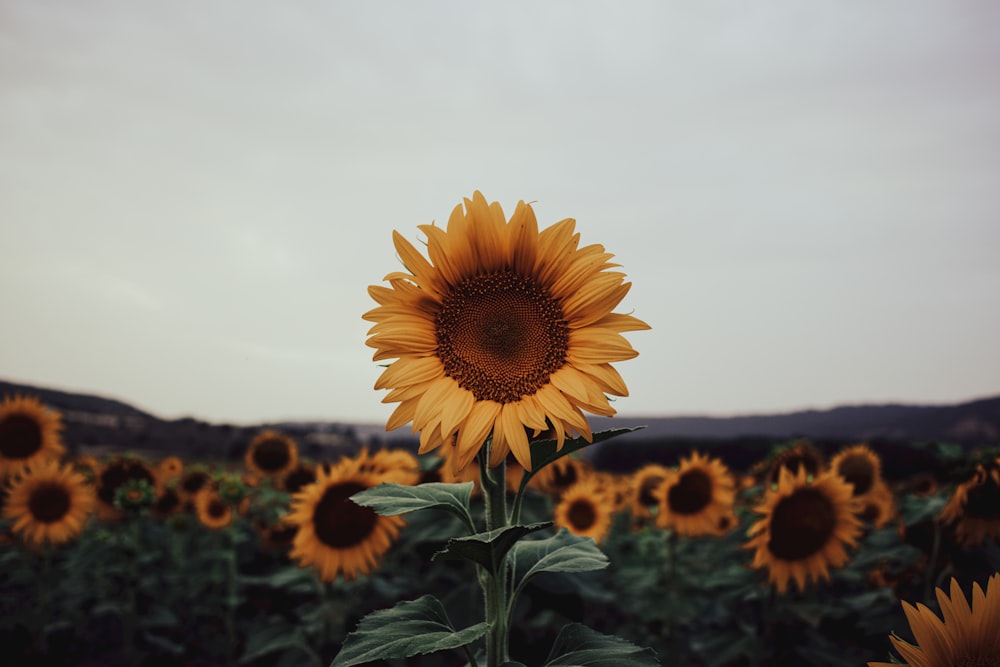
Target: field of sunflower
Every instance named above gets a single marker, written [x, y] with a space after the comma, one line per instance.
[127, 561]
[497, 543]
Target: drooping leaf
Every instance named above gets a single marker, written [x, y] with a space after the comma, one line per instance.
[489, 548]
[579, 646]
[392, 499]
[410, 628]
[563, 552]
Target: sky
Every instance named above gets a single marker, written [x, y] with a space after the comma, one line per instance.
[195, 197]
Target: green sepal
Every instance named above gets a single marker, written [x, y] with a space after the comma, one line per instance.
[579, 646]
[490, 548]
[415, 627]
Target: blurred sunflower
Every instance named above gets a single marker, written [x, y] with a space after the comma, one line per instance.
[393, 465]
[974, 507]
[167, 504]
[696, 497]
[334, 534]
[805, 528]
[505, 330]
[923, 485]
[271, 454]
[858, 465]
[302, 474]
[213, 511]
[49, 503]
[614, 488]
[29, 433]
[117, 472]
[966, 637]
[583, 510]
[275, 536]
[561, 474]
[790, 457]
[171, 467]
[878, 505]
[193, 480]
[645, 481]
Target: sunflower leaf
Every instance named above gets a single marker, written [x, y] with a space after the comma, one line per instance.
[490, 548]
[579, 646]
[392, 499]
[416, 627]
[544, 452]
[563, 552]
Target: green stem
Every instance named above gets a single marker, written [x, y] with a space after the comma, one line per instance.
[929, 578]
[494, 584]
[671, 587]
[231, 599]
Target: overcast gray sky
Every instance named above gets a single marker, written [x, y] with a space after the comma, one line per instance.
[195, 196]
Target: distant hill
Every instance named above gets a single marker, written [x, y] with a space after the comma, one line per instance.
[97, 424]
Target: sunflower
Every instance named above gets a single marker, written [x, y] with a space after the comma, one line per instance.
[29, 433]
[393, 465]
[504, 330]
[271, 454]
[923, 485]
[334, 534]
[858, 465]
[115, 474]
[193, 480]
[167, 504]
[804, 528]
[645, 481]
[878, 505]
[561, 474]
[974, 507]
[302, 474]
[966, 637]
[615, 489]
[49, 503]
[213, 512]
[697, 498]
[800, 453]
[170, 467]
[277, 536]
[583, 510]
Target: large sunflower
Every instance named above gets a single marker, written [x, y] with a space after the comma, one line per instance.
[967, 637]
[271, 454]
[505, 330]
[697, 498]
[583, 510]
[974, 507]
[804, 529]
[29, 433]
[49, 503]
[336, 535]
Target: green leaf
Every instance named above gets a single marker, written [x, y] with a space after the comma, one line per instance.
[543, 452]
[410, 628]
[563, 552]
[393, 499]
[489, 548]
[579, 646]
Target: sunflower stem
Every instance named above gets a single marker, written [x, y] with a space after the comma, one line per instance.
[671, 586]
[494, 584]
[929, 578]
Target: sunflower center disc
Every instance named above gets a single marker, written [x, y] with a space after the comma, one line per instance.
[49, 503]
[858, 471]
[582, 515]
[801, 524]
[563, 477]
[691, 493]
[501, 335]
[339, 522]
[193, 481]
[298, 478]
[271, 455]
[217, 508]
[20, 437]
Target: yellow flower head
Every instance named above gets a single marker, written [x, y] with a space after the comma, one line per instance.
[504, 330]
[29, 433]
[49, 503]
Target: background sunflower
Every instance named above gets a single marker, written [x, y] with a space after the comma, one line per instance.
[697, 498]
[29, 432]
[49, 504]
